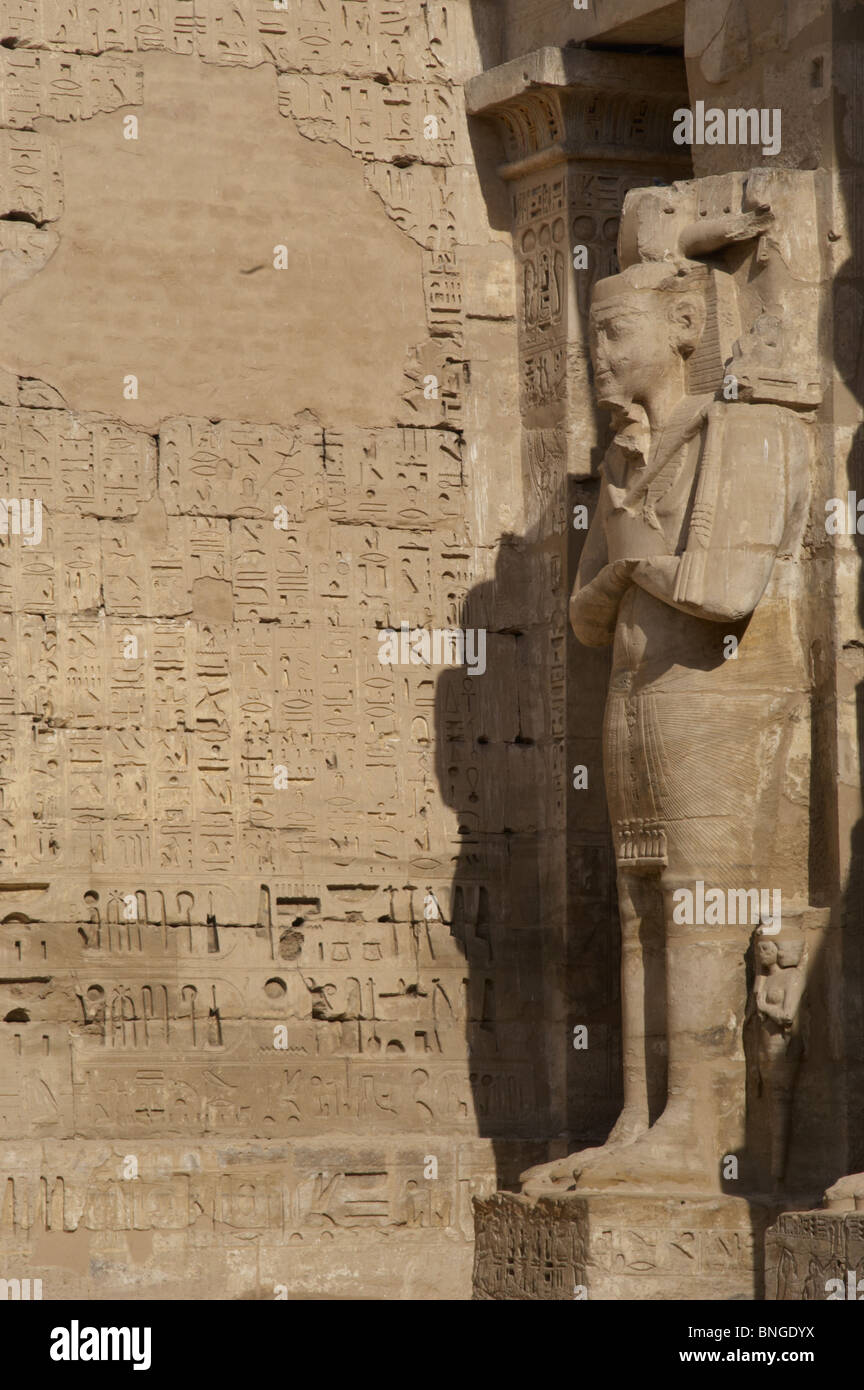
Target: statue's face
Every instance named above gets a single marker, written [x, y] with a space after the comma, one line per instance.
[631, 348]
[766, 952]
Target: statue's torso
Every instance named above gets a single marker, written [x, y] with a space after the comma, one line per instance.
[657, 646]
[694, 704]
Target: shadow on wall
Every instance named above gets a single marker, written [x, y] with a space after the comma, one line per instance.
[848, 345]
[489, 773]
[489, 19]
[494, 758]
[501, 766]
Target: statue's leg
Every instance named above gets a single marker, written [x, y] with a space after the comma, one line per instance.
[643, 995]
[702, 966]
[781, 1088]
[699, 1125]
[643, 1003]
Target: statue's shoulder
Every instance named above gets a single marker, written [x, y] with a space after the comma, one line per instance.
[752, 414]
[751, 426]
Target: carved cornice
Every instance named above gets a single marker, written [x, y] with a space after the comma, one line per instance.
[560, 104]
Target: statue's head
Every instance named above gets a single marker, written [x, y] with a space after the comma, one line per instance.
[644, 324]
[766, 951]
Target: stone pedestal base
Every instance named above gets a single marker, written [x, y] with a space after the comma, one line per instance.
[806, 1249]
[600, 1246]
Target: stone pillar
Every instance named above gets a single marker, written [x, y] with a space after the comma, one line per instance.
[803, 64]
[806, 62]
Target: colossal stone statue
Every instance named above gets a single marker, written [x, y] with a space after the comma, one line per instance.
[690, 572]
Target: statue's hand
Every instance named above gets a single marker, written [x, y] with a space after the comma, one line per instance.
[594, 607]
[777, 1014]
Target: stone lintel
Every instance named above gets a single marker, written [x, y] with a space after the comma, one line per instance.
[559, 104]
[655, 22]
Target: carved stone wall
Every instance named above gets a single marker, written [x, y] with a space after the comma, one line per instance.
[268, 906]
[293, 358]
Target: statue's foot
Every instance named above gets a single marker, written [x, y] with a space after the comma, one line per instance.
[665, 1158]
[847, 1194]
[563, 1173]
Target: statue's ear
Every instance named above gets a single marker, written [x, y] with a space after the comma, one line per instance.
[687, 324]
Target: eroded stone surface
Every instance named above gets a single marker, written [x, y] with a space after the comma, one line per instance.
[257, 894]
[614, 1248]
[815, 1257]
[297, 942]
